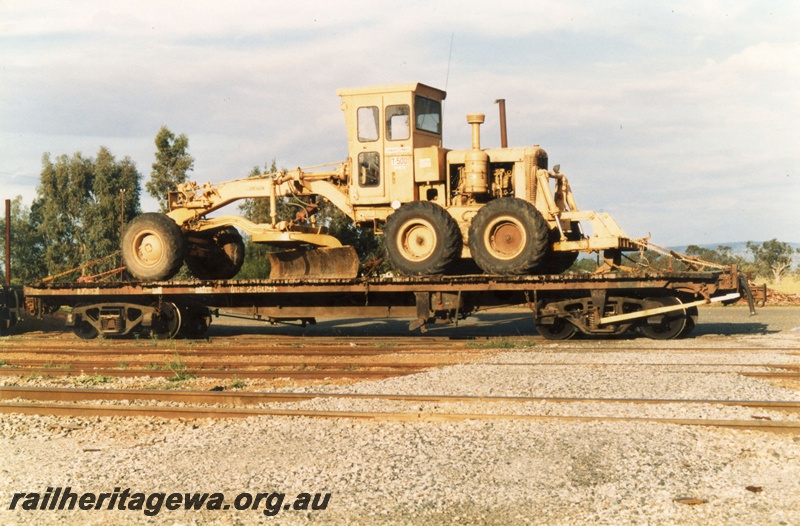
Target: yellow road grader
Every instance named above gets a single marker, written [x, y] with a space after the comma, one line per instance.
[503, 208]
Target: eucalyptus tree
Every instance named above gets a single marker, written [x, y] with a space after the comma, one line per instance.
[173, 162]
[81, 206]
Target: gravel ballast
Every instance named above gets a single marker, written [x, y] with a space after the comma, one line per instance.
[467, 472]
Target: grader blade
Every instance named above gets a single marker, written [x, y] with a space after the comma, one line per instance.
[338, 262]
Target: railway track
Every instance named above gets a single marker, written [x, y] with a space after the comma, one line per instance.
[359, 358]
[64, 402]
[306, 370]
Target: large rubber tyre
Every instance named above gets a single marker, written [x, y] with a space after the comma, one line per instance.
[422, 239]
[508, 236]
[219, 256]
[152, 247]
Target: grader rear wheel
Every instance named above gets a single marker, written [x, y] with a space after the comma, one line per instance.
[508, 236]
[422, 238]
[152, 247]
[669, 325]
[558, 262]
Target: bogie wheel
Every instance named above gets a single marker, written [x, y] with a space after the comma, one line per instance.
[85, 330]
[218, 255]
[6, 322]
[195, 321]
[508, 236]
[167, 321]
[561, 329]
[422, 238]
[671, 324]
[152, 247]
[692, 314]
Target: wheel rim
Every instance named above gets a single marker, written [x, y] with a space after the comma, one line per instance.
[148, 248]
[417, 240]
[505, 237]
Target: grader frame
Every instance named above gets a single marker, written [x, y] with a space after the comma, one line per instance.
[501, 207]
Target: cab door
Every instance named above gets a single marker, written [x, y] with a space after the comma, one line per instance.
[369, 182]
[399, 153]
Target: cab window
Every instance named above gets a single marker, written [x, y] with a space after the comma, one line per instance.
[397, 122]
[368, 124]
[369, 169]
[428, 115]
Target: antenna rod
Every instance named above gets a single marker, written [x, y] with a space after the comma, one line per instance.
[449, 57]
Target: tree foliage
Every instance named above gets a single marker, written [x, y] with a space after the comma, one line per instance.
[173, 162]
[773, 258]
[79, 210]
[27, 245]
[722, 255]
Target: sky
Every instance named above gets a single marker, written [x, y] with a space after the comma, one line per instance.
[679, 118]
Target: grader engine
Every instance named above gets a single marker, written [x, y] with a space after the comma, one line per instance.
[501, 207]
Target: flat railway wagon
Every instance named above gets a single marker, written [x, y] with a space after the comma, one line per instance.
[659, 305]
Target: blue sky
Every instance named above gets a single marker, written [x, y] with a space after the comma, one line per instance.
[679, 118]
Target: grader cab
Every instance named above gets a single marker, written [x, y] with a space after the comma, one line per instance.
[501, 207]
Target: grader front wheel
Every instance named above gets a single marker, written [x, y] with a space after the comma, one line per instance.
[152, 247]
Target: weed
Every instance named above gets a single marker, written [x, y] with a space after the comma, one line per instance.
[95, 379]
[236, 383]
[53, 365]
[178, 368]
[501, 344]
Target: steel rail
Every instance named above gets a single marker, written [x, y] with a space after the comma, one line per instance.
[229, 373]
[206, 412]
[202, 363]
[352, 351]
[62, 394]
[192, 363]
[394, 346]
